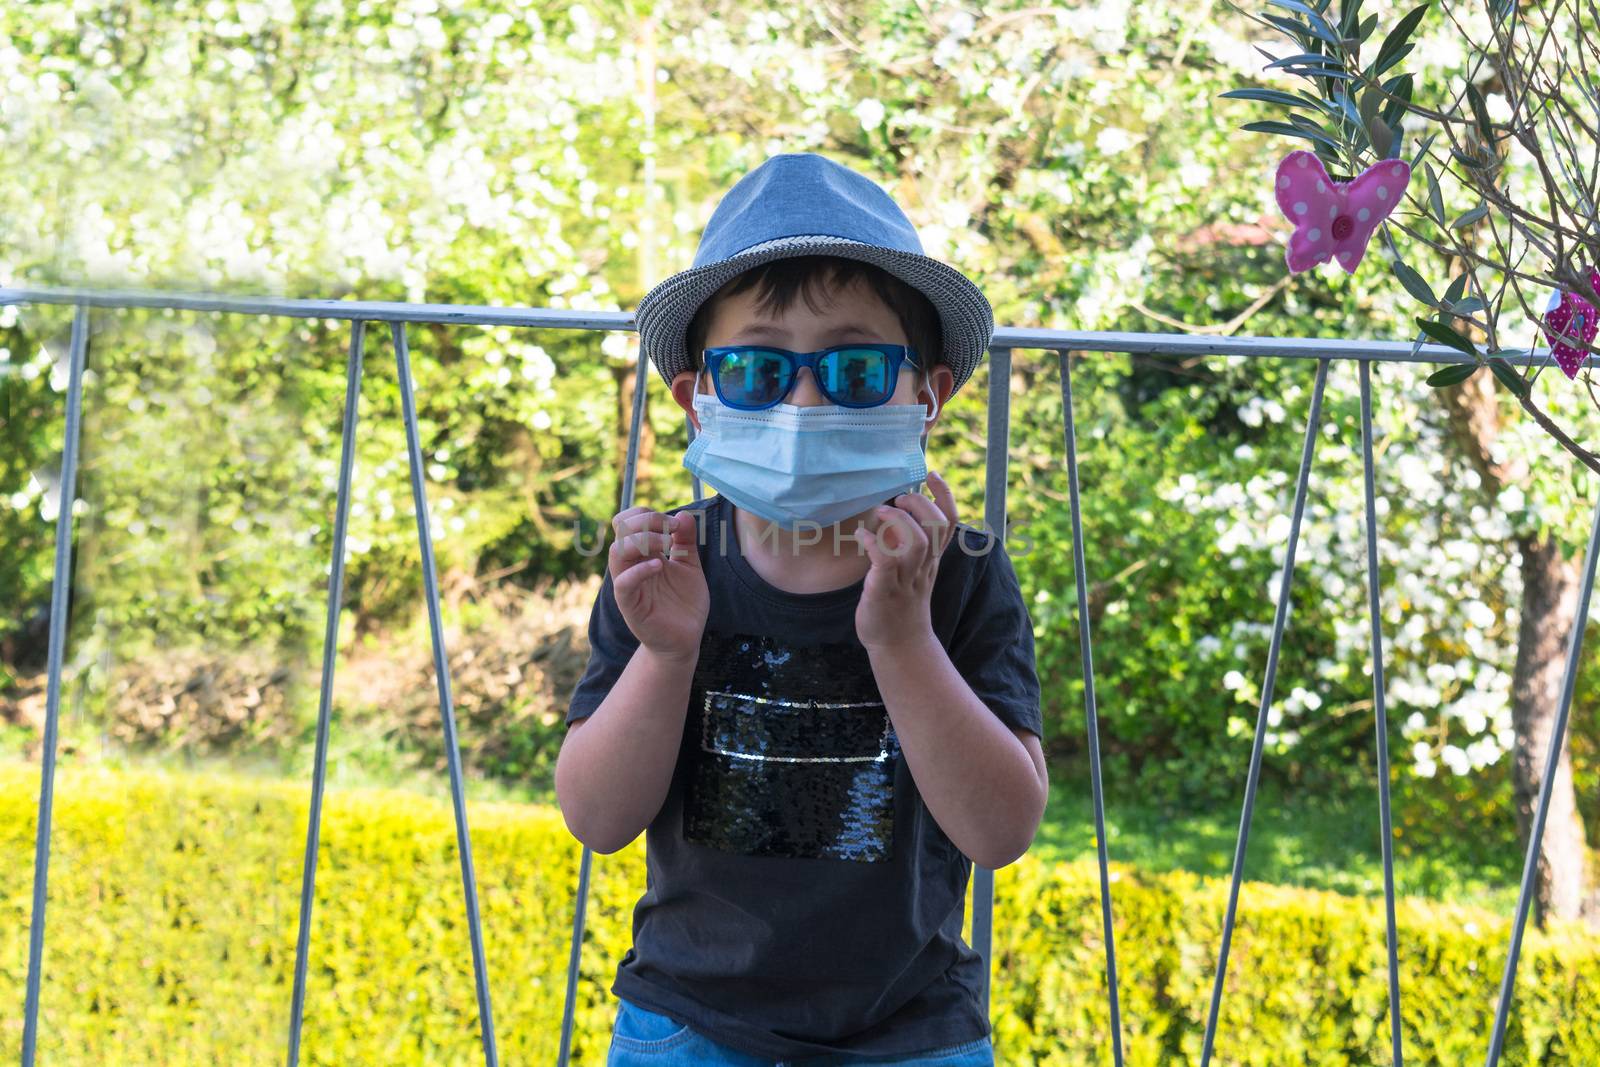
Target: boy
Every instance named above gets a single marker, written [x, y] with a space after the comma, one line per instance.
[815, 689]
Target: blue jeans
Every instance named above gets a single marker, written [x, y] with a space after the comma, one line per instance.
[643, 1038]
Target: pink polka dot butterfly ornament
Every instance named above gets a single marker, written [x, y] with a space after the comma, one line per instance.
[1569, 318]
[1335, 219]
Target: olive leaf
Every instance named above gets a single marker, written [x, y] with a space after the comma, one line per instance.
[1267, 96]
[1371, 100]
[1401, 88]
[1413, 282]
[1302, 58]
[1384, 64]
[1381, 135]
[1343, 106]
[1446, 334]
[1390, 52]
[1508, 376]
[1422, 150]
[1290, 131]
[1300, 31]
[1321, 72]
[1470, 217]
[1435, 200]
[1317, 27]
[1481, 113]
[1348, 14]
[1454, 374]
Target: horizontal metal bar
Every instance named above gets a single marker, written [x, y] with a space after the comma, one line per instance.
[1173, 344]
[364, 310]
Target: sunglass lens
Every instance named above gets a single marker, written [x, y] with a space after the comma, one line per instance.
[752, 377]
[856, 375]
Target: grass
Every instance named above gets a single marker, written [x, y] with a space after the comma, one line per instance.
[1317, 842]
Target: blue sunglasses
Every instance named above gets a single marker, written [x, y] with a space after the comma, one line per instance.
[753, 377]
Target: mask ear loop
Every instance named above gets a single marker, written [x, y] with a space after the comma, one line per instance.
[695, 397]
[928, 420]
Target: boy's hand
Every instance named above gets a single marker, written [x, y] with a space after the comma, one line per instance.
[905, 552]
[656, 576]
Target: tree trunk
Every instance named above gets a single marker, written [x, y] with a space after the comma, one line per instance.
[1549, 605]
[1549, 608]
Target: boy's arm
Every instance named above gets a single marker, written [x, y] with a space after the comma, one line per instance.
[983, 784]
[612, 779]
[968, 718]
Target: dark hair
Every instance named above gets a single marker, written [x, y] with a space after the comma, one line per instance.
[779, 281]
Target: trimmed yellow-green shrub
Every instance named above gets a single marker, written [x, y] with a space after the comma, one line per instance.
[174, 908]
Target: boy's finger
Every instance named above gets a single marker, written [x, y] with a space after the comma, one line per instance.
[945, 497]
[910, 543]
[643, 544]
[640, 518]
[625, 514]
[685, 537]
[933, 521]
[875, 553]
[627, 581]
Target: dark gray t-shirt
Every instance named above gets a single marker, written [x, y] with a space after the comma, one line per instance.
[801, 900]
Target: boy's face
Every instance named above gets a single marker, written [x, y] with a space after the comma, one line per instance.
[854, 314]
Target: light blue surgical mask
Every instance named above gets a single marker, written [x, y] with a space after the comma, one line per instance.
[820, 464]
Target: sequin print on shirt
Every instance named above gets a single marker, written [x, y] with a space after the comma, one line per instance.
[794, 753]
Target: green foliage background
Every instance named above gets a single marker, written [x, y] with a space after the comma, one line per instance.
[1073, 158]
[1076, 160]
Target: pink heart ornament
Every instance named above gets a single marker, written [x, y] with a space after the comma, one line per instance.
[1569, 317]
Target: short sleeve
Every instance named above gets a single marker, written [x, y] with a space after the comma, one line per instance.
[611, 646]
[992, 645]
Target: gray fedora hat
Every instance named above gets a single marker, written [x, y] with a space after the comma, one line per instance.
[803, 204]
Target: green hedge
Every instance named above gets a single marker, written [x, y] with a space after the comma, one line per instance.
[174, 908]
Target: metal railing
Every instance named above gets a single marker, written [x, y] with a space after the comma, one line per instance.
[1005, 340]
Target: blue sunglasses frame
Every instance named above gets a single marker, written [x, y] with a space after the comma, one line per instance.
[898, 355]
